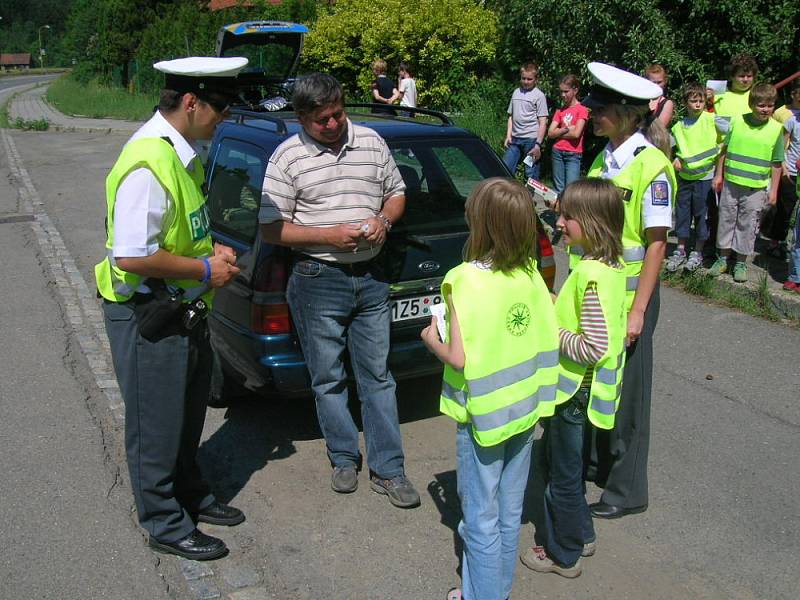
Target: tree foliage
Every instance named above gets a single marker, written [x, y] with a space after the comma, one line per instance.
[448, 42]
[21, 23]
[693, 39]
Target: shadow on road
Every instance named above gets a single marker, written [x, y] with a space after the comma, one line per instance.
[259, 430]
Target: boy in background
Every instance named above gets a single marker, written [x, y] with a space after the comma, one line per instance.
[696, 153]
[741, 72]
[527, 123]
[775, 226]
[750, 161]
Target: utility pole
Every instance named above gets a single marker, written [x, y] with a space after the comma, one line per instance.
[41, 50]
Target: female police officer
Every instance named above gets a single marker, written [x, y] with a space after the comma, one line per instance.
[635, 159]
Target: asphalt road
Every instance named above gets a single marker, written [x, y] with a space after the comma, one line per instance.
[723, 521]
[12, 83]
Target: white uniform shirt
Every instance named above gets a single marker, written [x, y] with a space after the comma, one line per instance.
[656, 205]
[142, 203]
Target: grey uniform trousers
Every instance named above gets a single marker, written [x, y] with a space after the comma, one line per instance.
[622, 452]
[165, 386]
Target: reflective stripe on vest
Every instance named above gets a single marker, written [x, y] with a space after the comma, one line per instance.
[628, 254]
[697, 146]
[510, 338]
[634, 180]
[187, 233]
[606, 381]
[748, 161]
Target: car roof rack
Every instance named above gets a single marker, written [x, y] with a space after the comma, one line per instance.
[240, 114]
[397, 111]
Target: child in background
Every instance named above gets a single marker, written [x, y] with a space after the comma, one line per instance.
[527, 123]
[695, 156]
[383, 90]
[777, 227]
[750, 161]
[500, 375]
[661, 107]
[741, 72]
[591, 314]
[566, 130]
[407, 87]
[792, 283]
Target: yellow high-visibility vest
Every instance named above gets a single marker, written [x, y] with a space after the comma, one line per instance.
[508, 327]
[187, 233]
[607, 374]
[748, 161]
[697, 147]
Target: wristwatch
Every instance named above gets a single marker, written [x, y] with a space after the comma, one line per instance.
[386, 222]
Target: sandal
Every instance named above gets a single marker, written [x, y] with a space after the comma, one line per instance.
[454, 594]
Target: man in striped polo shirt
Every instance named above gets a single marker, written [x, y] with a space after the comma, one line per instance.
[331, 193]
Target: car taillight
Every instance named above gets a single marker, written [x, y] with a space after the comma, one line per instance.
[269, 312]
[270, 319]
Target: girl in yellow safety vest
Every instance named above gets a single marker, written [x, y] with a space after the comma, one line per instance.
[591, 317]
[501, 373]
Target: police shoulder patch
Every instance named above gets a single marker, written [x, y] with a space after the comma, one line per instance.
[659, 193]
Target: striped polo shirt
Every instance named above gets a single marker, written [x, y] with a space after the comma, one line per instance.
[306, 183]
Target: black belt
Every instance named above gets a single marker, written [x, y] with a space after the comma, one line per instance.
[358, 269]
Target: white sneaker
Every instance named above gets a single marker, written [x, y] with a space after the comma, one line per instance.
[694, 261]
[675, 261]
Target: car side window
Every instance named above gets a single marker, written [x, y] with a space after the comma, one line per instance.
[234, 194]
[463, 173]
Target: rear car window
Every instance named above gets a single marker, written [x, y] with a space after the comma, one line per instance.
[234, 194]
[439, 176]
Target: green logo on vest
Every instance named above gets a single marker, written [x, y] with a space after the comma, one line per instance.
[518, 318]
[199, 223]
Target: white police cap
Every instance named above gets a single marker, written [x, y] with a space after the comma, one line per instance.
[200, 74]
[612, 85]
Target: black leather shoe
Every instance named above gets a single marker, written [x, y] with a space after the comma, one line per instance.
[195, 546]
[220, 514]
[601, 510]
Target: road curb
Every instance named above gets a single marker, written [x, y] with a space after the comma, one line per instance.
[785, 304]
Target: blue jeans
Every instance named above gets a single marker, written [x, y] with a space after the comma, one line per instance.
[566, 168]
[794, 252]
[693, 199]
[568, 522]
[517, 150]
[491, 486]
[333, 311]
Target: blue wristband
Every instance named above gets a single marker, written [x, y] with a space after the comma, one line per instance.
[206, 271]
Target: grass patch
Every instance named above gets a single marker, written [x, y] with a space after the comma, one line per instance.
[757, 303]
[31, 124]
[98, 101]
[4, 124]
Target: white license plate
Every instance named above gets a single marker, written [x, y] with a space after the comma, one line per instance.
[414, 307]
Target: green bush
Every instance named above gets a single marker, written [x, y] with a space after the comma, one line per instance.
[449, 43]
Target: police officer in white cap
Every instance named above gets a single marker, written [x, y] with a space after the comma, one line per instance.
[636, 160]
[157, 282]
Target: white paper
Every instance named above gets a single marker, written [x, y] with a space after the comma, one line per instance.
[528, 160]
[719, 86]
[438, 311]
